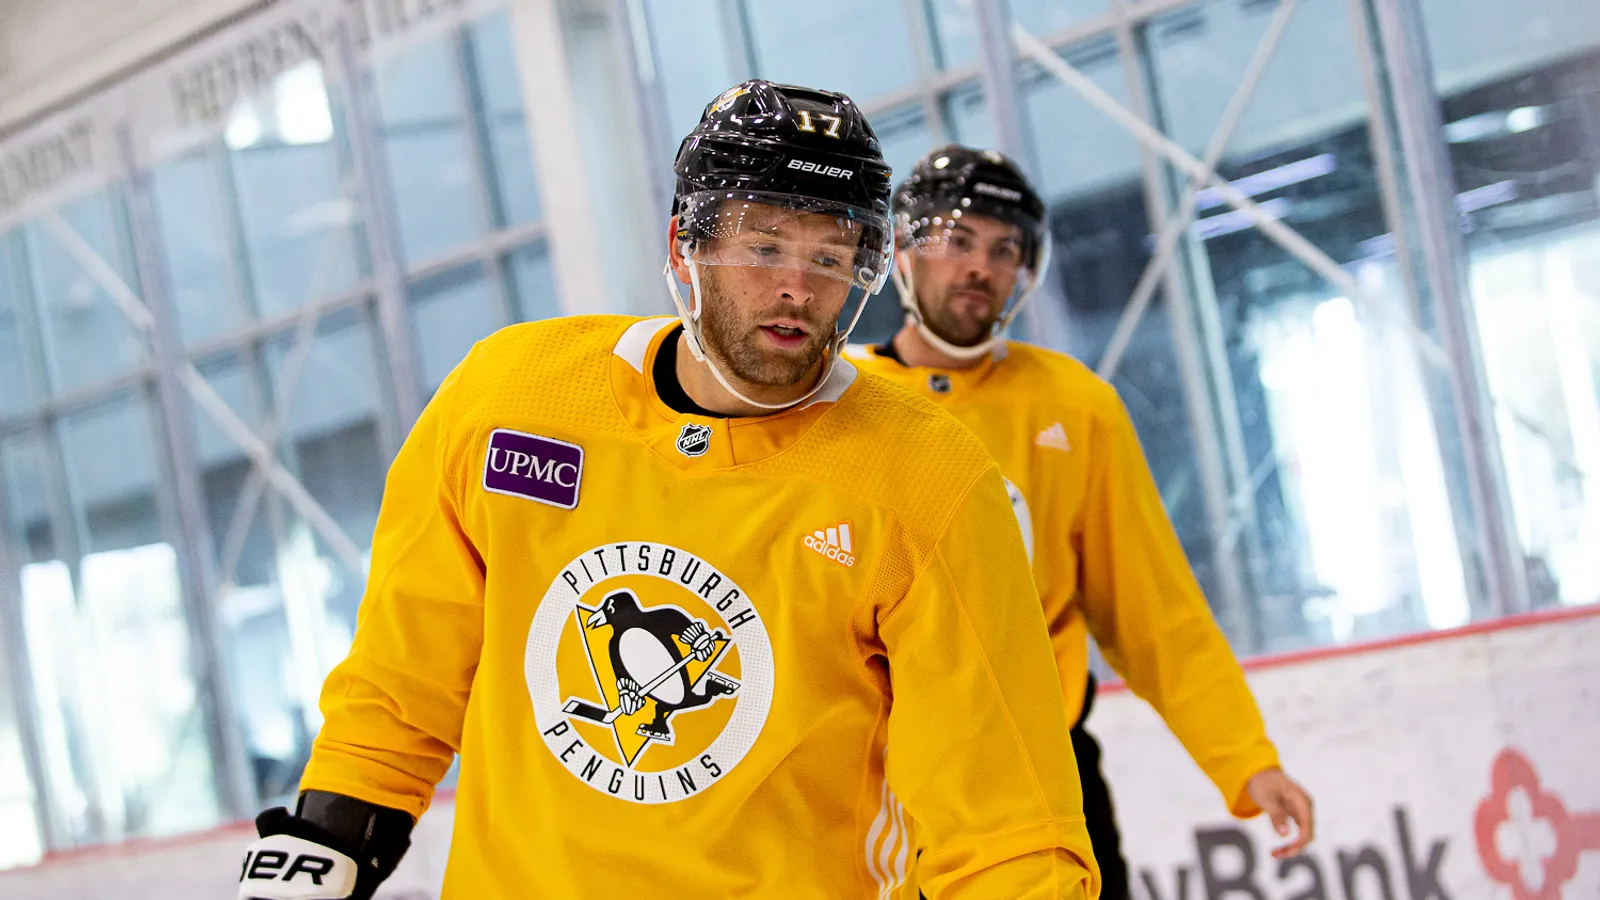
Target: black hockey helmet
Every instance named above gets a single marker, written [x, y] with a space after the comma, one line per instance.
[973, 182]
[793, 147]
[955, 181]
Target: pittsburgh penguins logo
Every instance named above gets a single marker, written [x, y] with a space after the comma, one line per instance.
[650, 655]
[727, 97]
[649, 670]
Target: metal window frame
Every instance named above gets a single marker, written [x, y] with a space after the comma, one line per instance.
[236, 787]
[575, 248]
[35, 367]
[485, 173]
[380, 227]
[168, 381]
[925, 54]
[1407, 137]
[640, 67]
[1186, 300]
[1399, 82]
[734, 17]
[18, 661]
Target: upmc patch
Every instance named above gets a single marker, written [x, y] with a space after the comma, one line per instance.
[538, 468]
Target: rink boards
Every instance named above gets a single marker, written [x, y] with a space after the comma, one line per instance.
[1454, 766]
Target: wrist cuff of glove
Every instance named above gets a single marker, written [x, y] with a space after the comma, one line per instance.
[378, 835]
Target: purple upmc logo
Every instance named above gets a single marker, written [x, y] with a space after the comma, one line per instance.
[538, 468]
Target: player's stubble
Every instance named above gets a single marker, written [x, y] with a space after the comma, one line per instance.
[732, 336]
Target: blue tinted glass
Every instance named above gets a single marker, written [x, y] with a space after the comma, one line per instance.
[1310, 81]
[1046, 17]
[25, 482]
[424, 127]
[15, 389]
[195, 238]
[861, 49]
[904, 134]
[1079, 148]
[140, 720]
[336, 384]
[299, 221]
[969, 117]
[534, 282]
[334, 430]
[87, 336]
[1518, 83]
[495, 68]
[955, 32]
[22, 504]
[449, 313]
[693, 61]
[1348, 526]
[1474, 43]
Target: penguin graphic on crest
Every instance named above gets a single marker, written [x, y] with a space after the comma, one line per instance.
[652, 654]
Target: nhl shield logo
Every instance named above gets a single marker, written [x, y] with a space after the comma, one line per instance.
[649, 670]
[694, 439]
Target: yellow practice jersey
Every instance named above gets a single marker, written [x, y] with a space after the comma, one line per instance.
[1106, 560]
[696, 657]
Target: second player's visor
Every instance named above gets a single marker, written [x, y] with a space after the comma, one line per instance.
[946, 237]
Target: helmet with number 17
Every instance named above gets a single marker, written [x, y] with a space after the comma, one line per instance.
[787, 177]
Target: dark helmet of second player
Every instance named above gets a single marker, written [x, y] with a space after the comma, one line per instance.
[953, 181]
[811, 152]
[978, 182]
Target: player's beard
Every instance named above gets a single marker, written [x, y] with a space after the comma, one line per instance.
[959, 327]
[732, 337]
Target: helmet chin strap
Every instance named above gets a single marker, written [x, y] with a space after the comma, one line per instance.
[691, 329]
[904, 282]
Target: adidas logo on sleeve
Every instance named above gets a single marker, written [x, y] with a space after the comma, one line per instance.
[1054, 438]
[833, 542]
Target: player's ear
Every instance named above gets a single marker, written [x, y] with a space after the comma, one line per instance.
[680, 266]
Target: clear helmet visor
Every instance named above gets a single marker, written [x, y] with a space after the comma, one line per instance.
[990, 245]
[819, 239]
[961, 246]
[748, 243]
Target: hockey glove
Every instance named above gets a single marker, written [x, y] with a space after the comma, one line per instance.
[337, 848]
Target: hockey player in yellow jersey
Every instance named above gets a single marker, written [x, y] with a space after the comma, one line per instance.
[973, 245]
[705, 613]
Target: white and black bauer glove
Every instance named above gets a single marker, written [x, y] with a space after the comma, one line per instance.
[336, 848]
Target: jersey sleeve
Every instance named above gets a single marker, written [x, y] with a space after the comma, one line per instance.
[1147, 613]
[978, 746]
[393, 709]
